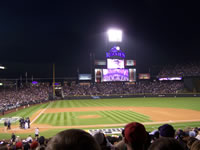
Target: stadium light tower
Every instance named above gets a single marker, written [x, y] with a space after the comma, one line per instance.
[114, 35]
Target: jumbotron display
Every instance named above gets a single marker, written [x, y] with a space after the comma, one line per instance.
[115, 75]
[115, 68]
[115, 63]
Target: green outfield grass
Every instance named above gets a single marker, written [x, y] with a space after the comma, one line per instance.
[187, 103]
[107, 117]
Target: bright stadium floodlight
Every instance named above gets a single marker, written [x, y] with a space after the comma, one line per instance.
[114, 35]
[2, 67]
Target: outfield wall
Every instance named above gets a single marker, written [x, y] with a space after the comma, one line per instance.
[131, 96]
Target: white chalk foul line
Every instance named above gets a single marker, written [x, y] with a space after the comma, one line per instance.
[38, 115]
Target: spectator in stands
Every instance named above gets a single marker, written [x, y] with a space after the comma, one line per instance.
[4, 147]
[27, 145]
[73, 139]
[198, 135]
[195, 145]
[192, 133]
[165, 143]
[182, 137]
[154, 135]
[135, 136]
[166, 130]
[121, 144]
[10, 97]
[29, 139]
[19, 144]
[42, 140]
[34, 145]
[103, 141]
[190, 141]
[188, 69]
[42, 143]
[26, 95]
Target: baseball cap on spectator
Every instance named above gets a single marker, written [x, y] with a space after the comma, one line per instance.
[18, 145]
[192, 133]
[34, 144]
[99, 137]
[166, 130]
[135, 133]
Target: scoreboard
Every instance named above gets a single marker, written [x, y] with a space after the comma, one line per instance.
[115, 68]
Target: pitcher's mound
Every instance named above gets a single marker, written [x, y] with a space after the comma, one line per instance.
[89, 116]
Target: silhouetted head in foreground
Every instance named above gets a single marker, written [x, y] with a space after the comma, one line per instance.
[166, 130]
[73, 139]
[166, 143]
[135, 136]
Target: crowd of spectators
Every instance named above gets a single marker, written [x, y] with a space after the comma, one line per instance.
[134, 136]
[29, 143]
[153, 87]
[180, 70]
[25, 95]
[32, 94]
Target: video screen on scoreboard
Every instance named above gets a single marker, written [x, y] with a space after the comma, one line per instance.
[115, 75]
[115, 63]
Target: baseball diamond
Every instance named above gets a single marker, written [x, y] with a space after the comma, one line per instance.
[107, 113]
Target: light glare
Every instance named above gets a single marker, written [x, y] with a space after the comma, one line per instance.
[118, 48]
[2, 67]
[114, 35]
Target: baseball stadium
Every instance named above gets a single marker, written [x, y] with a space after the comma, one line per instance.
[114, 106]
[105, 100]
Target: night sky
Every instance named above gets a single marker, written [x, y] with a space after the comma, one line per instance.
[36, 34]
